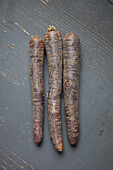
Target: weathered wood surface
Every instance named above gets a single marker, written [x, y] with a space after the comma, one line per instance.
[92, 21]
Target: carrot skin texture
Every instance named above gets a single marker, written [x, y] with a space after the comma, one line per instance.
[53, 43]
[71, 71]
[36, 46]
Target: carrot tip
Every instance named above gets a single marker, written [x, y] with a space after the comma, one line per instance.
[37, 140]
[59, 147]
[74, 141]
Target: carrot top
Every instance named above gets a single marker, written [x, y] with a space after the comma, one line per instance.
[36, 36]
[51, 28]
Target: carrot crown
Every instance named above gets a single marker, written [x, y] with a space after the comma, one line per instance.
[51, 28]
[36, 36]
[70, 33]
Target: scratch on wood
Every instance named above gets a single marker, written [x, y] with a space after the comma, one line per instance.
[91, 5]
[25, 78]
[11, 46]
[31, 19]
[101, 25]
[8, 164]
[93, 34]
[3, 74]
[99, 51]
[43, 2]
[89, 14]
[92, 44]
[3, 20]
[98, 72]
[22, 29]
[3, 167]
[29, 165]
[23, 161]
[80, 24]
[22, 82]
[16, 82]
[11, 159]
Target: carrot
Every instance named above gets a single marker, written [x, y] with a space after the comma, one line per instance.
[53, 43]
[71, 71]
[36, 74]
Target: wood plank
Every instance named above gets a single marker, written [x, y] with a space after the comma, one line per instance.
[92, 21]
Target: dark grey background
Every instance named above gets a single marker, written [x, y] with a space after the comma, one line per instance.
[92, 21]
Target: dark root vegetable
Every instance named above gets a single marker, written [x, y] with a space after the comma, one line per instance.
[53, 43]
[36, 74]
[71, 63]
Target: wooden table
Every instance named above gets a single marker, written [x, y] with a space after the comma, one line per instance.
[92, 21]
